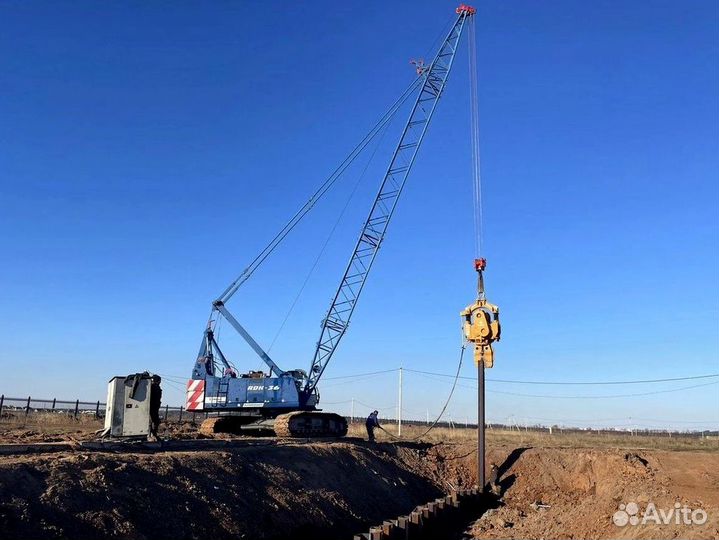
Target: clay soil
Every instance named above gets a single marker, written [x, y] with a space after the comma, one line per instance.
[573, 492]
[336, 489]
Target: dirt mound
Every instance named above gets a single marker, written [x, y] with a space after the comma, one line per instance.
[570, 493]
[295, 489]
[329, 489]
[60, 428]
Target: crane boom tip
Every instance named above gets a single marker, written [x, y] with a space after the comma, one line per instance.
[464, 8]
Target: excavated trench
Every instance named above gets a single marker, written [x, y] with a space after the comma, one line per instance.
[340, 489]
[317, 490]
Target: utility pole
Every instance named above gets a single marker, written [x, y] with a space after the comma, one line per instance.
[352, 412]
[427, 416]
[480, 426]
[399, 406]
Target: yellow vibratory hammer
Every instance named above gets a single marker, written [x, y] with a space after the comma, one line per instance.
[481, 321]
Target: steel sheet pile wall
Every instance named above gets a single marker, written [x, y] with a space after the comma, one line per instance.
[431, 520]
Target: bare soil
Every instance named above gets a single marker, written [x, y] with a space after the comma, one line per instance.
[573, 493]
[296, 489]
[330, 490]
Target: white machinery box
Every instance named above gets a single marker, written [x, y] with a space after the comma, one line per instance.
[128, 406]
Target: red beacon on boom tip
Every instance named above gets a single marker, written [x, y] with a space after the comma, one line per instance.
[464, 8]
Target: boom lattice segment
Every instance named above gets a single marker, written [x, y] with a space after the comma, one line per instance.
[435, 77]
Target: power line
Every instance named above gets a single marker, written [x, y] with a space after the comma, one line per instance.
[508, 381]
[620, 419]
[550, 396]
[606, 396]
[361, 374]
[349, 381]
[182, 379]
[444, 407]
[374, 407]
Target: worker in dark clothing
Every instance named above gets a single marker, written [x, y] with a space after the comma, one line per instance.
[371, 423]
[155, 402]
[494, 480]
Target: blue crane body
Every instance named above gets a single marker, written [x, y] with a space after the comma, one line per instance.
[286, 401]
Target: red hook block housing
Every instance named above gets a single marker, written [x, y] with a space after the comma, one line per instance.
[464, 8]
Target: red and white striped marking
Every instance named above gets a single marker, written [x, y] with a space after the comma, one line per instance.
[195, 395]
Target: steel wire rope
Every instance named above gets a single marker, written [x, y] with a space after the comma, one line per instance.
[317, 195]
[176, 385]
[329, 236]
[444, 407]
[322, 250]
[474, 139]
[176, 378]
[440, 35]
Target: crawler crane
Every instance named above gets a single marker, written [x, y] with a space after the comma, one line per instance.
[286, 401]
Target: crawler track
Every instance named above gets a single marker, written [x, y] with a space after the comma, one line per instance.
[221, 424]
[310, 424]
[297, 424]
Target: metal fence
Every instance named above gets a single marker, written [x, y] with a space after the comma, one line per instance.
[28, 410]
[15, 409]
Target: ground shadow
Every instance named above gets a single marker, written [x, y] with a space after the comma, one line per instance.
[487, 501]
[511, 459]
[472, 510]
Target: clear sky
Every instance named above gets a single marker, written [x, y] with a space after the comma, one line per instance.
[149, 150]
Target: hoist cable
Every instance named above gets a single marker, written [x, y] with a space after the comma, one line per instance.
[474, 136]
[329, 237]
[431, 52]
[444, 408]
[317, 195]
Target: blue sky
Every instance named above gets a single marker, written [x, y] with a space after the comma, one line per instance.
[148, 151]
